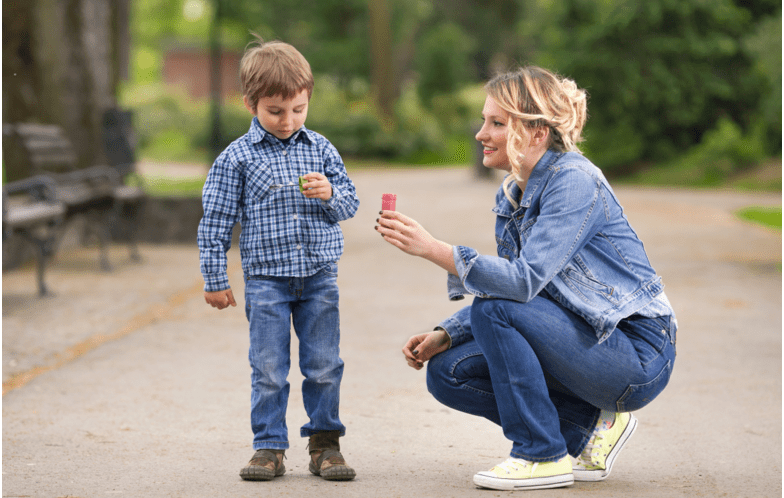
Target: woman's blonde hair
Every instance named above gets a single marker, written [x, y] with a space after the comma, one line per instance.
[273, 68]
[535, 97]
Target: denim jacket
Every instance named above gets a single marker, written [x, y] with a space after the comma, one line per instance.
[569, 238]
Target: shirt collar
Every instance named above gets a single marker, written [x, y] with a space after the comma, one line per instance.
[257, 133]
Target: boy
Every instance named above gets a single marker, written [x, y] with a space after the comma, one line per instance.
[289, 246]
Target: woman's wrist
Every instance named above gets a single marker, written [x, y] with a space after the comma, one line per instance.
[447, 339]
[441, 254]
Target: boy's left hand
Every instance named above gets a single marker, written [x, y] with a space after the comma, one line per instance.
[317, 187]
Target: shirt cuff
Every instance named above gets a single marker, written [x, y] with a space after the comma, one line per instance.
[216, 282]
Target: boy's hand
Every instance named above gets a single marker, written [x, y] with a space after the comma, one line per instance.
[317, 187]
[220, 299]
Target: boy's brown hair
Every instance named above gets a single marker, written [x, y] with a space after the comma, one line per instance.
[273, 68]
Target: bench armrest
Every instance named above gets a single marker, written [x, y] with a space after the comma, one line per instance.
[39, 187]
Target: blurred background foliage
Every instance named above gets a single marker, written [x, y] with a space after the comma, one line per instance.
[681, 91]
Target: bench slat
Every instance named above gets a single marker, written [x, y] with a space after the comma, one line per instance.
[30, 215]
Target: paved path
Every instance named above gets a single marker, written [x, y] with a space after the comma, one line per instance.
[127, 384]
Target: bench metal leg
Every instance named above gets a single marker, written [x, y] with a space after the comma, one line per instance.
[103, 244]
[96, 224]
[43, 291]
[43, 249]
[125, 214]
[134, 249]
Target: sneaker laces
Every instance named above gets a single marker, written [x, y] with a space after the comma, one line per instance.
[516, 464]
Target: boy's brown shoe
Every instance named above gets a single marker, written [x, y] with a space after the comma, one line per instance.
[264, 465]
[325, 458]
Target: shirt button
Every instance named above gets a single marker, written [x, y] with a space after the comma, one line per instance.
[285, 152]
[299, 247]
[295, 216]
[664, 331]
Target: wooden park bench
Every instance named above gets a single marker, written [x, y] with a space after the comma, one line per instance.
[95, 194]
[31, 210]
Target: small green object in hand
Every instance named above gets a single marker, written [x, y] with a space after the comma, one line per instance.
[302, 182]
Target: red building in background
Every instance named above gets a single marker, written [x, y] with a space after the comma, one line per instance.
[189, 69]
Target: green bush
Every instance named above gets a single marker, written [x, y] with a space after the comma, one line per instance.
[723, 152]
[172, 127]
[443, 60]
[659, 74]
[168, 124]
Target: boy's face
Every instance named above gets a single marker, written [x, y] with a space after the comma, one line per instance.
[281, 117]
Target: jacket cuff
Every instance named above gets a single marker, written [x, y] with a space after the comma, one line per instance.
[454, 329]
[464, 260]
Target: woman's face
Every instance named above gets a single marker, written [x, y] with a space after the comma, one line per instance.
[493, 136]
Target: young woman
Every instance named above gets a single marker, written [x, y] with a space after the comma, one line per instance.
[569, 329]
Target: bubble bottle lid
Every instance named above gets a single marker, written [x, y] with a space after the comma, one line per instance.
[388, 202]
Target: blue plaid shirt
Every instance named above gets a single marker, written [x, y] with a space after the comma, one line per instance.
[284, 234]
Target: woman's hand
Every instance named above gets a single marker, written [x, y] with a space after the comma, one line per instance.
[404, 233]
[422, 347]
[409, 236]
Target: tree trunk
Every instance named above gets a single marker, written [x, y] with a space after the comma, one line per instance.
[64, 60]
[381, 64]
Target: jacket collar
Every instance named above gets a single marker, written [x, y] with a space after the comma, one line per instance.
[538, 176]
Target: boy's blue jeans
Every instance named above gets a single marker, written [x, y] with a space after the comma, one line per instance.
[271, 303]
[537, 370]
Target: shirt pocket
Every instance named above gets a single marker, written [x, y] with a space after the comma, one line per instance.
[258, 180]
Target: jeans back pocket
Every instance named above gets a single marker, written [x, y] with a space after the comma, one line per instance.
[637, 396]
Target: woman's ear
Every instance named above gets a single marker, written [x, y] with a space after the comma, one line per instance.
[540, 135]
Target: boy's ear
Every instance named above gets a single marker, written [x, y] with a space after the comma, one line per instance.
[246, 101]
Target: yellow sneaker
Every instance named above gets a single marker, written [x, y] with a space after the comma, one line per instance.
[596, 460]
[516, 473]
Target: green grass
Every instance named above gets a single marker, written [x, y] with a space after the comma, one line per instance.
[174, 187]
[767, 216]
[764, 215]
[763, 177]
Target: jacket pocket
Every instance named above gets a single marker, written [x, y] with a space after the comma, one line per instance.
[585, 285]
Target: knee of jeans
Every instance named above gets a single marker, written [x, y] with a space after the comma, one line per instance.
[322, 370]
[268, 370]
[486, 309]
[268, 380]
[437, 375]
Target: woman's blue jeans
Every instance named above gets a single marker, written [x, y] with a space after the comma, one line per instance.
[271, 303]
[537, 370]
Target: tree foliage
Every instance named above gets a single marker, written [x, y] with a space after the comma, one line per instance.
[660, 73]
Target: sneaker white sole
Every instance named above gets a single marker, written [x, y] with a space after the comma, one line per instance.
[490, 481]
[583, 475]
